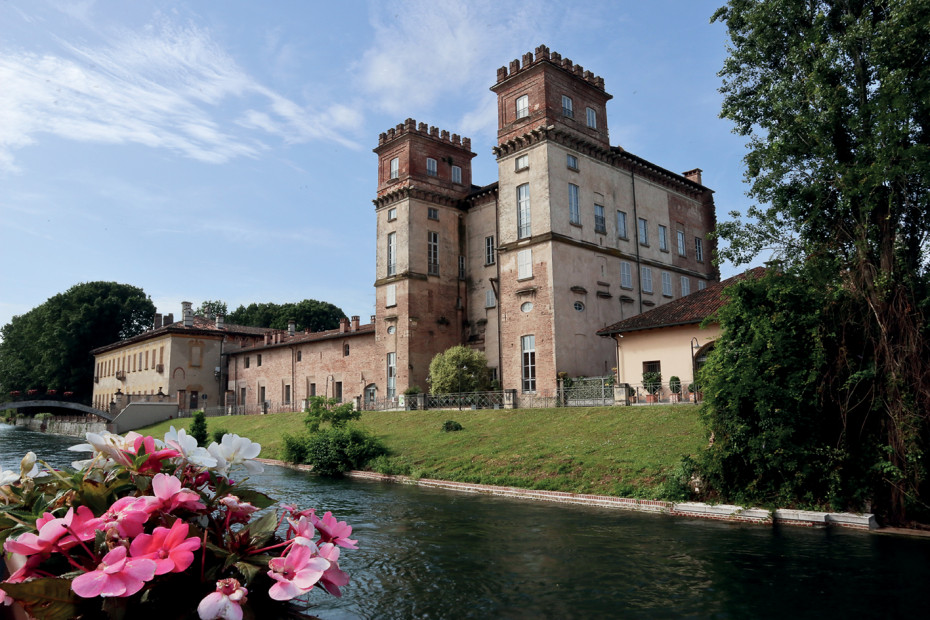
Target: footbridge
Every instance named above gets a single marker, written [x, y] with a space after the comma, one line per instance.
[58, 407]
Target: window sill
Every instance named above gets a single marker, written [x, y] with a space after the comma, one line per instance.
[601, 231]
[645, 245]
[523, 169]
[661, 250]
[573, 169]
[576, 224]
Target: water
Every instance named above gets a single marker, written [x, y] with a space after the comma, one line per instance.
[427, 553]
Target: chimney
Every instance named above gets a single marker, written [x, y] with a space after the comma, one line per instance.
[169, 319]
[693, 175]
[187, 314]
[157, 320]
[343, 325]
[266, 339]
[291, 327]
[219, 321]
[373, 318]
[355, 323]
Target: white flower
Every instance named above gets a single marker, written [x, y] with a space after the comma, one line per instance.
[235, 450]
[187, 446]
[28, 467]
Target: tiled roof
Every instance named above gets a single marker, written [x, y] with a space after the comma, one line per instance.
[201, 326]
[303, 337]
[692, 308]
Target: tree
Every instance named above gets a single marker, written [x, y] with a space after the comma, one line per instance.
[835, 99]
[49, 346]
[458, 369]
[198, 429]
[308, 314]
[321, 409]
[211, 308]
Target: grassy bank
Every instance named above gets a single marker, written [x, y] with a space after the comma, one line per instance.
[624, 451]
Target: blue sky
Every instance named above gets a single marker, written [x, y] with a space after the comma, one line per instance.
[223, 150]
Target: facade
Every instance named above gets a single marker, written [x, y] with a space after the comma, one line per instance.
[573, 235]
[670, 339]
[175, 361]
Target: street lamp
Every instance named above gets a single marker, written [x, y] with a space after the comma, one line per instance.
[464, 368]
[695, 347]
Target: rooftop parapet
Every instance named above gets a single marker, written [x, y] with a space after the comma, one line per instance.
[410, 126]
[543, 54]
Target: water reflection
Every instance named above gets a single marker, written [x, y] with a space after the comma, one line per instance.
[429, 553]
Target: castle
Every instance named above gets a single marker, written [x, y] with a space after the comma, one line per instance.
[574, 235]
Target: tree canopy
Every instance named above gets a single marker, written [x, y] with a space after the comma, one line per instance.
[210, 308]
[834, 97]
[309, 314]
[49, 346]
[458, 369]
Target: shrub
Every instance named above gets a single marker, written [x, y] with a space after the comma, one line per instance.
[321, 409]
[198, 429]
[652, 381]
[674, 384]
[450, 426]
[333, 451]
[218, 434]
[294, 449]
[44, 416]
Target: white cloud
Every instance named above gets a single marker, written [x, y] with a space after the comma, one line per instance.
[164, 86]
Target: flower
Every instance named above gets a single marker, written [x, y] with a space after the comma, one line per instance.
[169, 496]
[333, 577]
[169, 548]
[296, 573]
[127, 515]
[54, 532]
[303, 531]
[225, 603]
[235, 450]
[239, 511]
[188, 449]
[115, 576]
[332, 531]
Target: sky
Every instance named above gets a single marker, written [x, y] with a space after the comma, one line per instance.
[223, 150]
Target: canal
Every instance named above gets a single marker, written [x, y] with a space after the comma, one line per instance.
[437, 554]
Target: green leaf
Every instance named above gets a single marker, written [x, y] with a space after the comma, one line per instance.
[262, 529]
[45, 599]
[256, 498]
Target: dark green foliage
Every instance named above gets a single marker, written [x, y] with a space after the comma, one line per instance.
[674, 384]
[309, 314]
[294, 449]
[198, 428]
[49, 346]
[211, 308]
[321, 409]
[450, 426]
[652, 381]
[459, 369]
[333, 451]
[218, 435]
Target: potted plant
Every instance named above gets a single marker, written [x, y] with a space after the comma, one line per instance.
[652, 383]
[694, 393]
[674, 386]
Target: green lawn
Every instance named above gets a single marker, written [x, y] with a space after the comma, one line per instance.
[605, 450]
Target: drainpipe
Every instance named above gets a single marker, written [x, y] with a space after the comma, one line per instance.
[639, 270]
[497, 266]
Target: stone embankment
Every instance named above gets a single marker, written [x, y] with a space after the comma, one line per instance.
[718, 512]
[75, 426]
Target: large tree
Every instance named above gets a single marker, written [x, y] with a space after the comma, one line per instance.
[458, 369]
[309, 314]
[835, 99]
[49, 346]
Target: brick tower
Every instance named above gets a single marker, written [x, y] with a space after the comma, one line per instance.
[423, 176]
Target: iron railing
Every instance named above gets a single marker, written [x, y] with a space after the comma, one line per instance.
[466, 400]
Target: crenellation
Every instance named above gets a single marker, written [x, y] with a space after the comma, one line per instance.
[514, 66]
[556, 58]
[456, 139]
[423, 128]
[466, 144]
[444, 135]
[527, 59]
[433, 131]
[542, 53]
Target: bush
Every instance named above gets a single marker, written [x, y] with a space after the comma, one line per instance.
[44, 416]
[198, 429]
[294, 449]
[652, 381]
[218, 434]
[321, 409]
[333, 451]
[674, 384]
[450, 426]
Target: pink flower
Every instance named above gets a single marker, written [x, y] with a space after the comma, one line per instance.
[170, 496]
[115, 576]
[146, 445]
[21, 574]
[303, 531]
[54, 532]
[239, 511]
[334, 577]
[169, 548]
[225, 603]
[127, 515]
[296, 573]
[332, 531]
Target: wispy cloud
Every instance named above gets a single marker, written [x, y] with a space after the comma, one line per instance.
[165, 86]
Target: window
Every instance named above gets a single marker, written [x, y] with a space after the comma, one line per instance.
[600, 225]
[337, 391]
[489, 255]
[432, 213]
[526, 306]
[371, 392]
[391, 374]
[579, 306]
[258, 361]
[489, 300]
[626, 275]
[666, 284]
[652, 367]
[242, 396]
[522, 163]
[663, 238]
[395, 168]
[432, 253]
[523, 106]
[643, 232]
[261, 395]
[431, 166]
[591, 118]
[524, 264]
[621, 224]
[390, 295]
[287, 394]
[461, 267]
[702, 285]
[247, 361]
[392, 214]
[391, 254]
[567, 107]
[645, 277]
[523, 211]
[699, 249]
[392, 329]
[571, 161]
[457, 174]
[685, 286]
[574, 216]
[681, 243]
[312, 391]
[528, 349]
